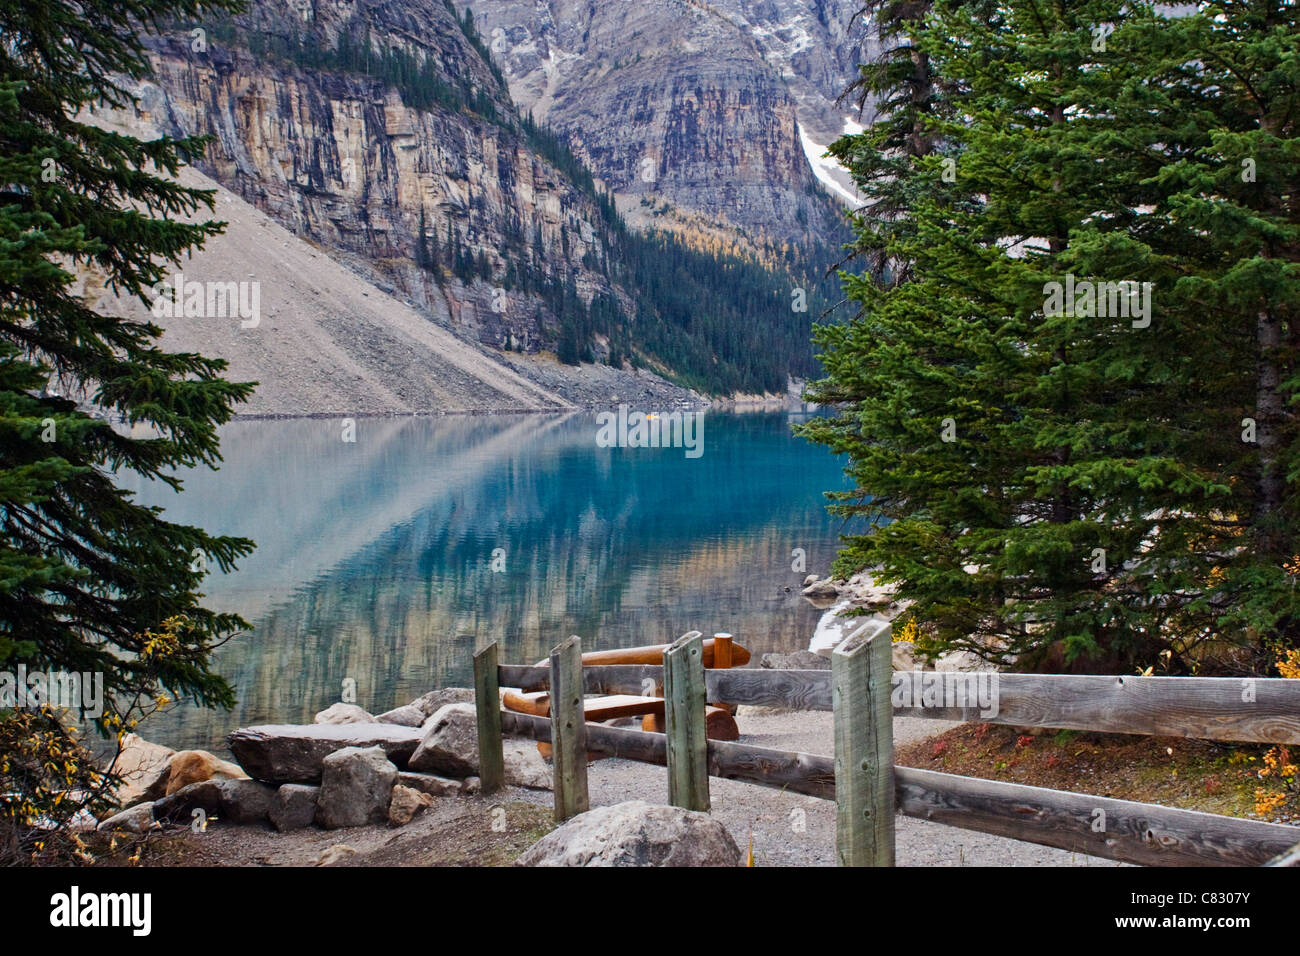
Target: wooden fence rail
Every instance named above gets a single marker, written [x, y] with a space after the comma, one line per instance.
[1124, 830]
[1259, 710]
[864, 694]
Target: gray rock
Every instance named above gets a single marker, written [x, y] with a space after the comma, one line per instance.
[356, 788]
[344, 714]
[903, 654]
[136, 819]
[143, 768]
[798, 661]
[450, 748]
[962, 661]
[245, 801]
[811, 579]
[471, 785]
[179, 806]
[289, 753]
[408, 715]
[237, 801]
[435, 700]
[636, 833]
[450, 743]
[406, 803]
[429, 783]
[294, 806]
[525, 767]
[821, 591]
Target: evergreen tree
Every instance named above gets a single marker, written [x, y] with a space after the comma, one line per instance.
[88, 578]
[1068, 484]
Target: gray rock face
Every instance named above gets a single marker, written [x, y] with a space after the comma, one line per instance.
[289, 753]
[136, 819]
[635, 833]
[356, 788]
[450, 743]
[798, 661]
[343, 714]
[235, 801]
[713, 96]
[294, 806]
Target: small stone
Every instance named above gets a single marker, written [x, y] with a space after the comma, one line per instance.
[335, 855]
[406, 803]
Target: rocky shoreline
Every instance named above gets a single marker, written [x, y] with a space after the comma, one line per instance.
[846, 603]
[351, 769]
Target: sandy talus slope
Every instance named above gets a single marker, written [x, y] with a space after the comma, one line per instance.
[328, 342]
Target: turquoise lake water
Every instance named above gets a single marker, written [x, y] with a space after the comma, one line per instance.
[389, 560]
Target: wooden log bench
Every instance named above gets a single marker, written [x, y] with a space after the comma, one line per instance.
[720, 724]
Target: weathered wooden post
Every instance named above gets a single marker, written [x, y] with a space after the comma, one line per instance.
[688, 745]
[487, 704]
[568, 731]
[861, 677]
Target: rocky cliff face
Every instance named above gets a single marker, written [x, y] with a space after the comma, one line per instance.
[347, 162]
[711, 108]
[383, 132]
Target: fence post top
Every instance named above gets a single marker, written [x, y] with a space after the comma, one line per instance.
[572, 642]
[684, 643]
[862, 638]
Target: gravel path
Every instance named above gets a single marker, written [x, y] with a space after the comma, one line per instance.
[772, 817]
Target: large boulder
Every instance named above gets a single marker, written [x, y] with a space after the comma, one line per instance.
[194, 766]
[143, 768]
[343, 714]
[356, 788]
[294, 806]
[450, 748]
[450, 743]
[635, 833]
[289, 753]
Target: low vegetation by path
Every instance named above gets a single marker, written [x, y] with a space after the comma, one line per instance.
[1256, 781]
